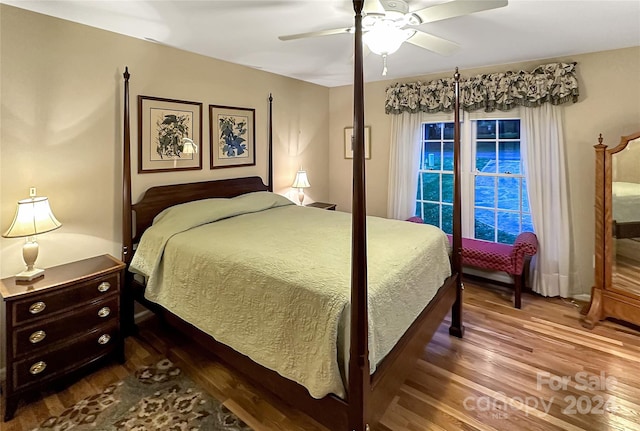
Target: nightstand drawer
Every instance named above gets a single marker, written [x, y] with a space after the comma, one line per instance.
[42, 335]
[43, 305]
[57, 326]
[52, 364]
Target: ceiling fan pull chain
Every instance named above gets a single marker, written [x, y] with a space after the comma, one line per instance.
[384, 64]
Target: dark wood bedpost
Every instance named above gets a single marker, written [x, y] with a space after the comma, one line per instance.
[270, 144]
[127, 237]
[126, 177]
[359, 374]
[456, 327]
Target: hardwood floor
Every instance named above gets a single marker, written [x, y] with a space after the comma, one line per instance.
[530, 369]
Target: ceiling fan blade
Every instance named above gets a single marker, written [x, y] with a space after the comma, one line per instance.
[456, 8]
[373, 7]
[433, 43]
[316, 33]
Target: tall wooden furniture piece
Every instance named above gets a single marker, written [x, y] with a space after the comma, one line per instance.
[60, 324]
[616, 291]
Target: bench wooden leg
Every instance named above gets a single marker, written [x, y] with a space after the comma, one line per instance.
[518, 290]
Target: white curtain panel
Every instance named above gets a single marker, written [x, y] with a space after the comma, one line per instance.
[404, 161]
[544, 162]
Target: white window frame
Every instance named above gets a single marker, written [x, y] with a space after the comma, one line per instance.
[467, 158]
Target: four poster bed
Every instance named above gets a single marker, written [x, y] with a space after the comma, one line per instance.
[262, 260]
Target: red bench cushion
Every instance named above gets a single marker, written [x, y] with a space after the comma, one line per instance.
[487, 255]
[496, 256]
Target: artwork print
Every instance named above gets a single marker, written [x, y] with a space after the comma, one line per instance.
[348, 142]
[169, 134]
[232, 142]
[232, 136]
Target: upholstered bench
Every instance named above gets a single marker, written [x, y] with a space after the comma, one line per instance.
[499, 257]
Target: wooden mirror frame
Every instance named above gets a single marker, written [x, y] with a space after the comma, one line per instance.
[606, 299]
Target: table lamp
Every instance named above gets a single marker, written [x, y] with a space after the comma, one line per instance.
[33, 217]
[188, 147]
[301, 182]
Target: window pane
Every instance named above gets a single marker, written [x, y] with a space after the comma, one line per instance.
[431, 214]
[509, 193]
[432, 131]
[486, 156]
[448, 131]
[527, 223]
[419, 194]
[431, 186]
[484, 225]
[447, 188]
[418, 211]
[431, 156]
[485, 191]
[486, 129]
[508, 227]
[509, 129]
[509, 153]
[447, 148]
[447, 218]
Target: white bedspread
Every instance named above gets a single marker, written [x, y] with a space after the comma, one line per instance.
[274, 283]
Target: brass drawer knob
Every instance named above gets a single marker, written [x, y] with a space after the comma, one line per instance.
[104, 339]
[104, 286]
[37, 307]
[104, 312]
[38, 367]
[37, 336]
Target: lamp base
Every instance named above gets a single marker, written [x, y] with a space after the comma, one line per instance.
[30, 274]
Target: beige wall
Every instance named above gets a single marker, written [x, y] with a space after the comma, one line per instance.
[626, 163]
[609, 104]
[61, 126]
[61, 129]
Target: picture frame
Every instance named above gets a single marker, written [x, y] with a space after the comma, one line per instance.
[169, 135]
[232, 136]
[348, 146]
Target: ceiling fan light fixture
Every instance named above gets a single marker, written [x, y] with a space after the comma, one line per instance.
[386, 39]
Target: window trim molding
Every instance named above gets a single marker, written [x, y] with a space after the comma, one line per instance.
[467, 174]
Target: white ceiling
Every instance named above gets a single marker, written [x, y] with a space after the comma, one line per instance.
[246, 32]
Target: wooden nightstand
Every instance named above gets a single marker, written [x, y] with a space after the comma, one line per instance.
[322, 205]
[60, 324]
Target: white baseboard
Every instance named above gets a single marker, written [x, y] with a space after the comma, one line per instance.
[490, 275]
[582, 297]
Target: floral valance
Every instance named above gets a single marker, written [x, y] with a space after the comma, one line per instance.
[554, 83]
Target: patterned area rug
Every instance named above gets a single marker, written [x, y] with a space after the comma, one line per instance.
[159, 397]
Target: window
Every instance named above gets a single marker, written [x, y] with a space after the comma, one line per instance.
[495, 194]
[435, 186]
[501, 206]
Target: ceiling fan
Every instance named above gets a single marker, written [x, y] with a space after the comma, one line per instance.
[386, 24]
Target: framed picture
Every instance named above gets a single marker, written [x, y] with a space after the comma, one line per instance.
[348, 144]
[232, 134]
[169, 135]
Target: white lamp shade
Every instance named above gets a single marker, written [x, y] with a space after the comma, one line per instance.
[188, 146]
[385, 39]
[34, 216]
[301, 181]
